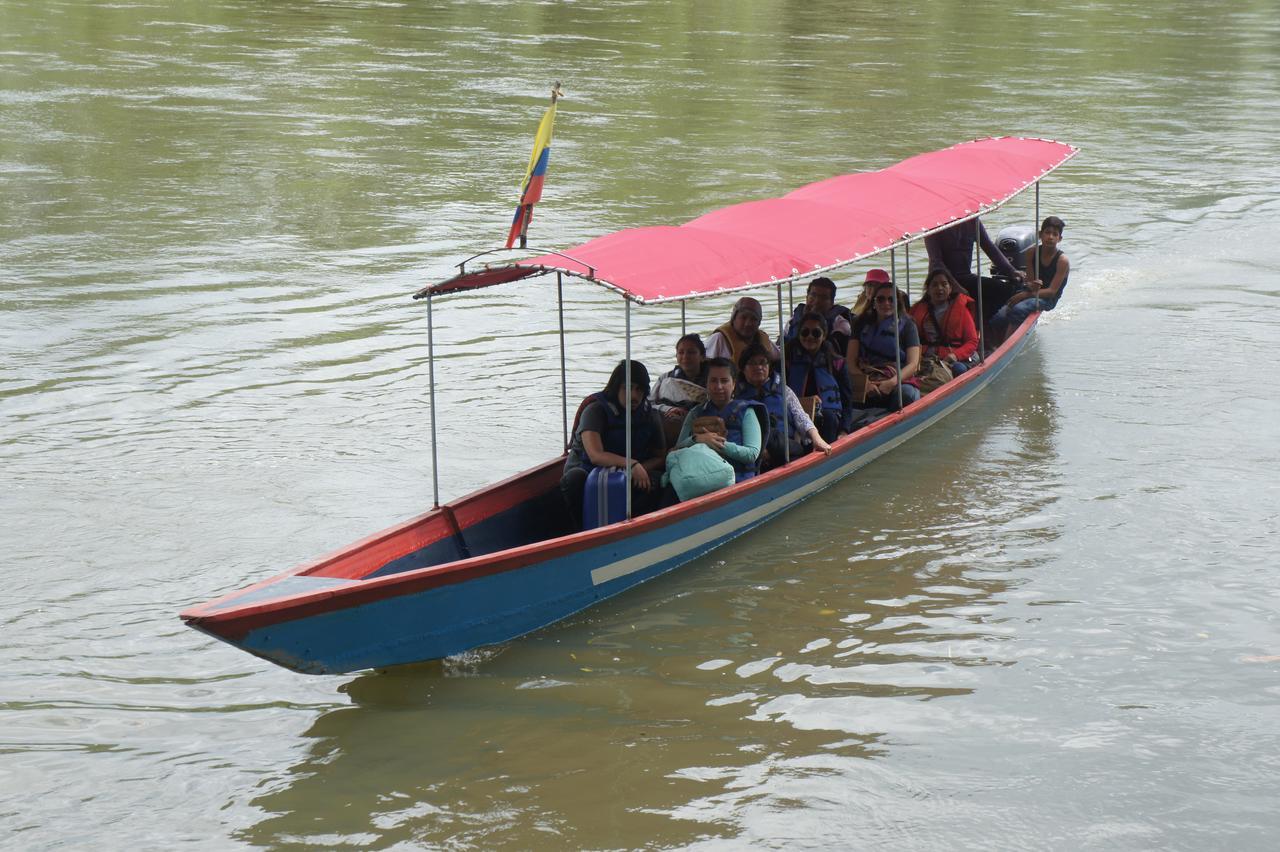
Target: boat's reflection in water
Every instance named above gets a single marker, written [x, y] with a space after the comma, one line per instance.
[870, 619]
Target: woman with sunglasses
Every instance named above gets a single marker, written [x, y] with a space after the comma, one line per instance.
[762, 383]
[814, 369]
[873, 356]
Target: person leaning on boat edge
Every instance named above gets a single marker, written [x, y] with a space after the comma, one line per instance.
[601, 441]
[742, 329]
[740, 445]
[1039, 294]
[820, 298]
[762, 383]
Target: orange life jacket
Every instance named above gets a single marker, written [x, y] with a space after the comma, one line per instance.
[958, 335]
[738, 345]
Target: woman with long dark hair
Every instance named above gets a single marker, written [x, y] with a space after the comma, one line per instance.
[600, 440]
[944, 317]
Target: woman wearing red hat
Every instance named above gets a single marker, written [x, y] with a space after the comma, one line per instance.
[875, 277]
[880, 346]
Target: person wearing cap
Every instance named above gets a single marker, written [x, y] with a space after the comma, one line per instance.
[743, 328]
[875, 277]
[600, 440]
[883, 355]
[820, 298]
[952, 249]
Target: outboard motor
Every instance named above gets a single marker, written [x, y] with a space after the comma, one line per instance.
[1013, 243]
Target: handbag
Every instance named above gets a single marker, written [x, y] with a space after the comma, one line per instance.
[932, 374]
[868, 372]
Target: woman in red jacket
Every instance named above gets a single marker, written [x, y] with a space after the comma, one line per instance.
[945, 319]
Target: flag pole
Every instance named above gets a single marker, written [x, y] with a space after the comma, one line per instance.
[524, 228]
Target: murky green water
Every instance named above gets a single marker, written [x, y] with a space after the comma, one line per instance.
[1049, 622]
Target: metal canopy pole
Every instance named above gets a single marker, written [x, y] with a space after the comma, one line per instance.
[982, 311]
[906, 263]
[897, 346]
[786, 411]
[564, 380]
[1036, 242]
[683, 330]
[626, 406]
[431, 381]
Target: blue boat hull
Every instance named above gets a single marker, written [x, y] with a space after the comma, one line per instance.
[319, 624]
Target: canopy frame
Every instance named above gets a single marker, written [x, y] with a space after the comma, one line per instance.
[592, 274]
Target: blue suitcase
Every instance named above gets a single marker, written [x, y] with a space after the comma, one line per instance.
[604, 498]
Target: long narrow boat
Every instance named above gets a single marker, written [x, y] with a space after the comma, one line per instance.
[501, 562]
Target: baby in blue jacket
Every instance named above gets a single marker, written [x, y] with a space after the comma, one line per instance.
[697, 469]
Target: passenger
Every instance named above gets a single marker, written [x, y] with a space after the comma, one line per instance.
[761, 383]
[1037, 295]
[944, 319]
[871, 355]
[952, 249]
[875, 277]
[814, 369]
[740, 445]
[820, 298]
[601, 441]
[703, 425]
[682, 388]
[743, 328]
[697, 469]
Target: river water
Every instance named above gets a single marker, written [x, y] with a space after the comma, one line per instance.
[1048, 622]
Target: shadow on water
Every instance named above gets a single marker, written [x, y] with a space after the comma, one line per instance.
[862, 622]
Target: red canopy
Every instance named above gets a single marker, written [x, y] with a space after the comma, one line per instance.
[814, 229]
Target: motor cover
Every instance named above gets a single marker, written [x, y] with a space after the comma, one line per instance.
[1013, 242]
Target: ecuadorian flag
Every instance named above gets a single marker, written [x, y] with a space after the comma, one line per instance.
[531, 190]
